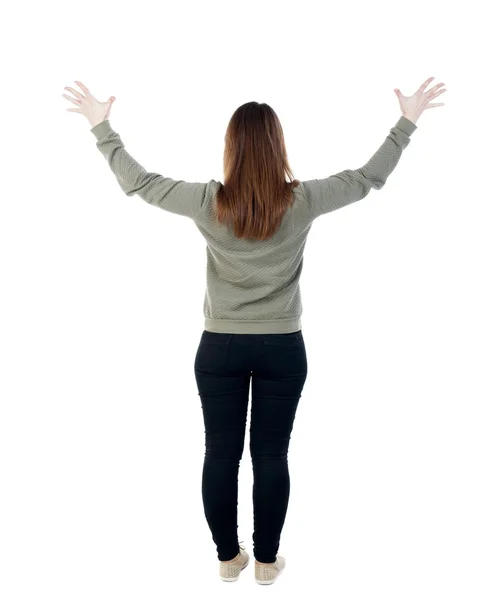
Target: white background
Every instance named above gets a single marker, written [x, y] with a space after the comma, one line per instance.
[101, 430]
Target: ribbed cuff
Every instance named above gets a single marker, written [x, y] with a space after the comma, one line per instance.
[102, 129]
[407, 126]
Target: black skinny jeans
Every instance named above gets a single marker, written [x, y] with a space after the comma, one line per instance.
[224, 365]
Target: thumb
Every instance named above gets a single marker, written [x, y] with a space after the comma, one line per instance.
[111, 99]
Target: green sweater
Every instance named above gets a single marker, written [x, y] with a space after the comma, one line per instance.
[253, 286]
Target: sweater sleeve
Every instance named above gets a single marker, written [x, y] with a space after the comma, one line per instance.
[331, 193]
[179, 197]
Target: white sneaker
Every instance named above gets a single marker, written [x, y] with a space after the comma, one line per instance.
[266, 574]
[231, 571]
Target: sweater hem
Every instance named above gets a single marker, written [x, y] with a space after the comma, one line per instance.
[254, 326]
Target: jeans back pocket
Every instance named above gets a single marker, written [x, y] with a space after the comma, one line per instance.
[212, 353]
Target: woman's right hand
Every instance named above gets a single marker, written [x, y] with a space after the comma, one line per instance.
[413, 106]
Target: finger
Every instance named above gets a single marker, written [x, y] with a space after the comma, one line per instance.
[75, 92]
[435, 88]
[83, 88]
[435, 94]
[71, 99]
[434, 105]
[425, 84]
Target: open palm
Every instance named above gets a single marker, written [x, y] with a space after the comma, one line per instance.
[92, 109]
[413, 106]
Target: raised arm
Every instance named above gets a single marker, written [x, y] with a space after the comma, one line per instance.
[179, 197]
[325, 195]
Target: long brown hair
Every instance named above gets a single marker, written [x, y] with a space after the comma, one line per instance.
[255, 194]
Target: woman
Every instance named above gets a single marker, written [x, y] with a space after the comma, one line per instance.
[255, 226]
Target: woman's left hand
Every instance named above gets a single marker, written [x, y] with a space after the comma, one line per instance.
[95, 111]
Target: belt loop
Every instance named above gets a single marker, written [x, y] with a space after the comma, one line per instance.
[247, 353]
